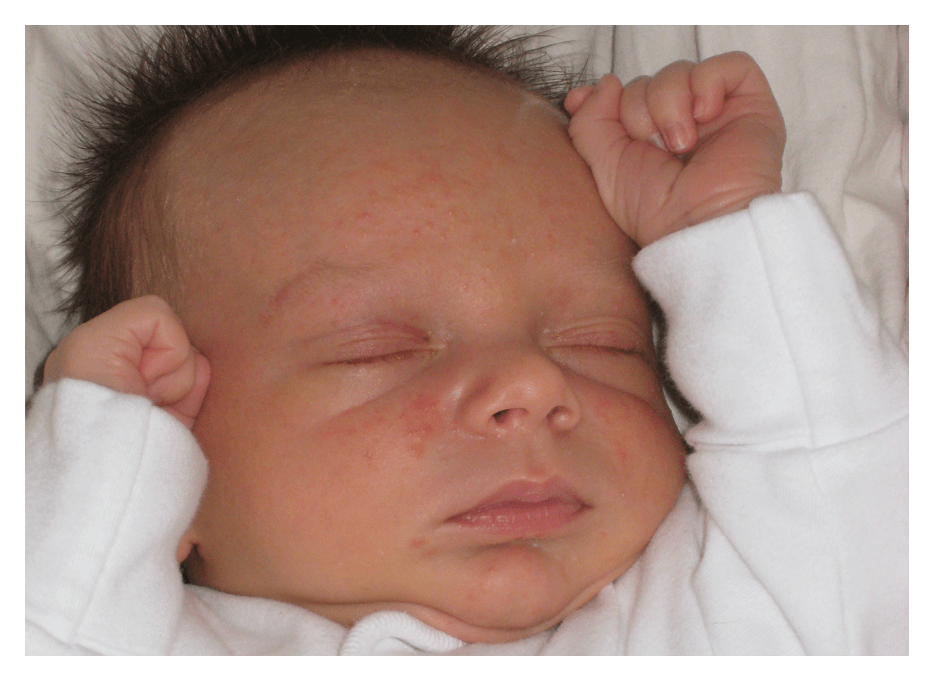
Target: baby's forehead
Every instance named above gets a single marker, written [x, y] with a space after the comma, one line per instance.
[364, 90]
[313, 123]
[360, 156]
[429, 184]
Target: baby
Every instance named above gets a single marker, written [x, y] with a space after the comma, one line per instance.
[390, 292]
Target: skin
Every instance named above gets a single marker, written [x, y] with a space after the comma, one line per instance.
[689, 144]
[411, 294]
[396, 331]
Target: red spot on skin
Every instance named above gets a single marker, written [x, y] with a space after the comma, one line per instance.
[417, 543]
[420, 421]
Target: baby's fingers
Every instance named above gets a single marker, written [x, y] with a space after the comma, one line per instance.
[634, 113]
[729, 86]
[670, 103]
[187, 408]
[174, 382]
[167, 362]
[576, 97]
[175, 373]
[595, 128]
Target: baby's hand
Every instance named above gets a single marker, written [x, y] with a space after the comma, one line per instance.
[137, 347]
[691, 143]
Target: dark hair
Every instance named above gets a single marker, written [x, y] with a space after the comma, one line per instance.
[115, 244]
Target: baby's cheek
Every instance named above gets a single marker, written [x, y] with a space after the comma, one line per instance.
[419, 424]
[605, 406]
[348, 439]
[388, 437]
[645, 442]
[621, 416]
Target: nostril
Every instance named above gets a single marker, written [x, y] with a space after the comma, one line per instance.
[557, 412]
[500, 416]
[563, 417]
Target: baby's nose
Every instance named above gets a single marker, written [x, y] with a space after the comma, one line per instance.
[518, 391]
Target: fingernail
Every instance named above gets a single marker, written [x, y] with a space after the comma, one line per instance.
[676, 137]
[657, 140]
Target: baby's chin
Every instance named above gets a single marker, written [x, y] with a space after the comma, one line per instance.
[478, 624]
[492, 632]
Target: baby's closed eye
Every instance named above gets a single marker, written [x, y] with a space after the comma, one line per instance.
[379, 344]
[605, 352]
[378, 356]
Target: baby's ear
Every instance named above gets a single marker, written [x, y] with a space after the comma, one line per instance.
[188, 542]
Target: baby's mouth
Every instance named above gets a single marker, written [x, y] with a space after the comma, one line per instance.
[524, 508]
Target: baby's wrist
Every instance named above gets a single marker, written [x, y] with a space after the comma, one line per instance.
[726, 204]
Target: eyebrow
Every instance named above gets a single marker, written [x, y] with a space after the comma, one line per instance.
[302, 284]
[299, 285]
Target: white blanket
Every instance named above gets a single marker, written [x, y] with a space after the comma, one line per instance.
[843, 92]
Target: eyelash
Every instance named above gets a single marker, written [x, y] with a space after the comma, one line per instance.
[408, 354]
[366, 359]
[379, 359]
[608, 349]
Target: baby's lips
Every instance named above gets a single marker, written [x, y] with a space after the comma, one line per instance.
[527, 492]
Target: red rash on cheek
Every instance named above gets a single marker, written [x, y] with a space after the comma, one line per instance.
[385, 439]
[420, 421]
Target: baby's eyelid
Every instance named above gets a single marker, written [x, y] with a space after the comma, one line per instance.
[399, 355]
[611, 349]
[377, 350]
[625, 337]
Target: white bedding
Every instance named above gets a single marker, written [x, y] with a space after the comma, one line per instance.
[843, 92]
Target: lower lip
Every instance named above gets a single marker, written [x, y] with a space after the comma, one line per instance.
[517, 518]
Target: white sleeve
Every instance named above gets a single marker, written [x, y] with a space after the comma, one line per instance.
[112, 484]
[801, 458]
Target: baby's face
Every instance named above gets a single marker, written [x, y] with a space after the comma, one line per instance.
[433, 386]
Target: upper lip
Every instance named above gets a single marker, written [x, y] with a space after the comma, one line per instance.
[527, 492]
